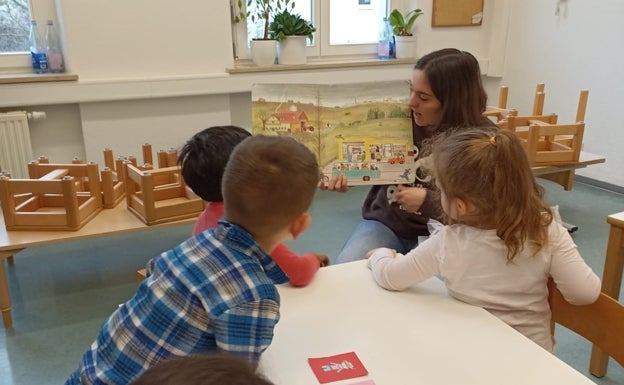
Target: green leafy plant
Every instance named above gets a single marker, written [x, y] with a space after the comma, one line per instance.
[288, 24]
[402, 25]
[261, 10]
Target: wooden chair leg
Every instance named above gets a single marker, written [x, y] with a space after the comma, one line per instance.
[611, 283]
[5, 299]
[564, 178]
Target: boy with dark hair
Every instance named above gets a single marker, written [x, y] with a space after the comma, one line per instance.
[202, 160]
[216, 291]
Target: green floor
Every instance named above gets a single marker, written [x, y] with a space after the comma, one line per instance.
[62, 293]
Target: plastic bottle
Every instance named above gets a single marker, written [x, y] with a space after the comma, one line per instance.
[37, 50]
[385, 47]
[53, 50]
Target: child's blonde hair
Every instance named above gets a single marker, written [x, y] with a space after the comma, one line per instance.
[488, 167]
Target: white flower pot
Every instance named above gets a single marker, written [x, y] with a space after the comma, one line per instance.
[292, 50]
[263, 52]
[405, 46]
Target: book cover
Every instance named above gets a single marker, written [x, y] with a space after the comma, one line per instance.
[361, 130]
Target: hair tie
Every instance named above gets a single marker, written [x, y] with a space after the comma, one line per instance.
[493, 141]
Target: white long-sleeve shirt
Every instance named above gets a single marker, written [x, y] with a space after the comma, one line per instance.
[475, 269]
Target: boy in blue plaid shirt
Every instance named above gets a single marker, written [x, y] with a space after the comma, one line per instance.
[216, 291]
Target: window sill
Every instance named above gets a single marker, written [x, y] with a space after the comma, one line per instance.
[246, 66]
[35, 78]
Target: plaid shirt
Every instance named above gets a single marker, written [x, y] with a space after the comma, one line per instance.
[215, 292]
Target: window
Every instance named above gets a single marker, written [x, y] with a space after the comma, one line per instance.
[343, 27]
[14, 25]
[15, 18]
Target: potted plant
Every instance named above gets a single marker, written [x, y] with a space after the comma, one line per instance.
[291, 32]
[263, 48]
[405, 41]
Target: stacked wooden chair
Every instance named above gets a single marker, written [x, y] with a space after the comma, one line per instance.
[160, 195]
[56, 197]
[546, 141]
[67, 196]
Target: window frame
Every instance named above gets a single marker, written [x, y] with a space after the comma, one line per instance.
[320, 49]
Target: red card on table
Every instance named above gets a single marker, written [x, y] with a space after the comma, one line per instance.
[338, 367]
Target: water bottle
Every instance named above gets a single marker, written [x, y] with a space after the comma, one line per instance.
[37, 50]
[385, 47]
[53, 49]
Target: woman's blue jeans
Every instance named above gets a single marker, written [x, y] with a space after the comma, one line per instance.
[371, 234]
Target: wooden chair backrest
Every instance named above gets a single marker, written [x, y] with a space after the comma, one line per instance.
[601, 323]
[554, 143]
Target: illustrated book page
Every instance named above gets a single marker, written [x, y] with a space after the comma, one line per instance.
[361, 130]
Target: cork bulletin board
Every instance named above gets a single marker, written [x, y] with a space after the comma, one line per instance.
[457, 13]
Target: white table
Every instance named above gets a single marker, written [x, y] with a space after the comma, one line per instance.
[419, 336]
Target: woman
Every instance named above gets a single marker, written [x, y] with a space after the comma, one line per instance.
[445, 92]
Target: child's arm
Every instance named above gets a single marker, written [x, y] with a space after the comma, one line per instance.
[574, 278]
[394, 271]
[247, 329]
[300, 270]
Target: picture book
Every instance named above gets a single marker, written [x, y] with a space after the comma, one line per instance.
[361, 130]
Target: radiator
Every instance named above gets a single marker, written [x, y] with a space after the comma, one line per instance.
[15, 145]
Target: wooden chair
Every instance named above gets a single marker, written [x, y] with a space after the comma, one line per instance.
[113, 175]
[601, 323]
[556, 144]
[611, 282]
[160, 195]
[53, 198]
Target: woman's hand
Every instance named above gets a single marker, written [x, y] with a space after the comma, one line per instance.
[411, 198]
[336, 183]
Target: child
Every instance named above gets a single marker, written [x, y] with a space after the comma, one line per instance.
[202, 160]
[213, 369]
[502, 244]
[215, 292]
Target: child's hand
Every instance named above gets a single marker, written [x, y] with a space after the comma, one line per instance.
[323, 260]
[368, 255]
[337, 183]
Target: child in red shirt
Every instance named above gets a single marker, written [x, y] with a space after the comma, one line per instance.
[203, 159]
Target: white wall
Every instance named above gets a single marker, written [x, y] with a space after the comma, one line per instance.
[581, 48]
[145, 38]
[59, 136]
[164, 123]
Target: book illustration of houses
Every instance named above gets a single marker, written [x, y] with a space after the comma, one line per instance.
[289, 121]
[360, 130]
[368, 159]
